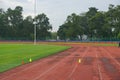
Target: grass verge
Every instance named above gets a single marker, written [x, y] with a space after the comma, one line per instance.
[12, 55]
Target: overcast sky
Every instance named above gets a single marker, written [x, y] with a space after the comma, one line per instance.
[57, 10]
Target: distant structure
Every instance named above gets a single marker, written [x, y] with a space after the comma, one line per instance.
[84, 37]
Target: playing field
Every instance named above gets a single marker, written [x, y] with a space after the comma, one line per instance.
[83, 61]
[12, 55]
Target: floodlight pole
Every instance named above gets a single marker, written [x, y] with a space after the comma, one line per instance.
[34, 22]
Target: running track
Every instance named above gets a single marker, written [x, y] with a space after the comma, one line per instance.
[97, 63]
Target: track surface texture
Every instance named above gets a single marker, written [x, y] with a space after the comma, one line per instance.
[77, 63]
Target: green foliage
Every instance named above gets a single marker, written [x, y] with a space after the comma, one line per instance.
[43, 26]
[94, 24]
[12, 55]
[13, 26]
[71, 28]
[118, 36]
[54, 35]
[62, 32]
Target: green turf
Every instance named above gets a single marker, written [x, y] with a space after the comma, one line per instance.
[12, 55]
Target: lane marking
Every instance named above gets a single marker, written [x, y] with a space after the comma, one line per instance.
[73, 71]
[99, 69]
[75, 67]
[112, 57]
[28, 67]
[66, 57]
[24, 69]
[47, 70]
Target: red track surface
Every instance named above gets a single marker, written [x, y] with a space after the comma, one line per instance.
[97, 63]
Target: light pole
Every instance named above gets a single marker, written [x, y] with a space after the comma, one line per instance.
[34, 22]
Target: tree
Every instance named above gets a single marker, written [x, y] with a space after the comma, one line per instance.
[54, 35]
[97, 23]
[13, 26]
[43, 26]
[72, 28]
[91, 13]
[27, 28]
[118, 36]
[62, 32]
[2, 24]
[15, 19]
[92, 23]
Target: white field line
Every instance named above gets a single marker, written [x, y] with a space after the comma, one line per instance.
[75, 67]
[53, 67]
[28, 67]
[112, 57]
[73, 70]
[47, 71]
[99, 69]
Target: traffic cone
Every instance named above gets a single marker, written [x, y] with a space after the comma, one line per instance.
[30, 60]
[79, 61]
[23, 62]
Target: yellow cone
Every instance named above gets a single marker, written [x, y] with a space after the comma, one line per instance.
[79, 61]
[30, 60]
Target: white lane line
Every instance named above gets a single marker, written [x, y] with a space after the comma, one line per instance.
[112, 57]
[53, 67]
[28, 67]
[73, 70]
[20, 71]
[47, 71]
[99, 69]
[75, 67]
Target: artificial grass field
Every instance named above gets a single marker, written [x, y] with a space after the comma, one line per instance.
[12, 55]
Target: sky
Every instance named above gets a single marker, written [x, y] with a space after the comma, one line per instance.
[57, 10]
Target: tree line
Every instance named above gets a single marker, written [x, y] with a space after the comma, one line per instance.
[95, 24]
[14, 27]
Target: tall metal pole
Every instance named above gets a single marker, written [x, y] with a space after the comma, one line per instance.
[34, 22]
